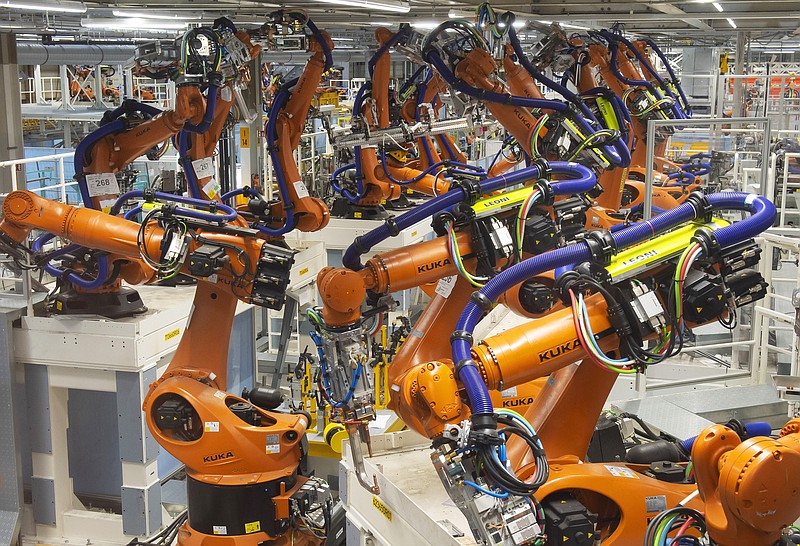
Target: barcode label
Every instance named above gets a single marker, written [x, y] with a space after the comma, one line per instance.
[212, 188]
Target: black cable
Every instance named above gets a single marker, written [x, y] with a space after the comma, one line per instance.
[500, 475]
[733, 320]
[686, 513]
[645, 428]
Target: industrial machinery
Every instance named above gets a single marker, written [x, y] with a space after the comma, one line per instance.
[241, 455]
[294, 208]
[378, 143]
[612, 72]
[88, 282]
[619, 303]
[605, 293]
[134, 128]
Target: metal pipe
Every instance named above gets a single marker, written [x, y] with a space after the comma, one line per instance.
[40, 54]
[404, 133]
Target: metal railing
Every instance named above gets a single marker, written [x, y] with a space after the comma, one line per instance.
[61, 186]
[152, 91]
[774, 316]
[776, 97]
[22, 281]
[49, 90]
[782, 181]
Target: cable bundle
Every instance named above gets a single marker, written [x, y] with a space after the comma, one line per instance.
[496, 465]
[679, 520]
[587, 338]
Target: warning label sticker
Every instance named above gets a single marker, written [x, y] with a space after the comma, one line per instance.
[622, 472]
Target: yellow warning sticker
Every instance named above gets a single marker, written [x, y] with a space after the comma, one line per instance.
[252, 527]
[303, 271]
[356, 215]
[172, 334]
[382, 508]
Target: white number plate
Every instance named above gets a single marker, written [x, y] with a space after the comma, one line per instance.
[102, 184]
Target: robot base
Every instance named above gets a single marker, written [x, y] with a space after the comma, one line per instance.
[189, 537]
[124, 303]
[342, 208]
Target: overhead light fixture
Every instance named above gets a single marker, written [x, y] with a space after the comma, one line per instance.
[779, 51]
[718, 6]
[775, 45]
[577, 27]
[133, 24]
[59, 6]
[425, 25]
[731, 22]
[456, 14]
[383, 5]
[161, 16]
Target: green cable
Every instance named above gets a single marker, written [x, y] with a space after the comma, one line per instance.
[474, 281]
[589, 139]
[599, 355]
[663, 530]
[534, 144]
[521, 217]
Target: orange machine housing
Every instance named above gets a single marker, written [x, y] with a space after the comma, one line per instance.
[750, 488]
[224, 456]
[312, 214]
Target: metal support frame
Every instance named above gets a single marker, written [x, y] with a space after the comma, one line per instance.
[785, 185]
[736, 345]
[66, 98]
[12, 145]
[289, 310]
[251, 158]
[10, 464]
[769, 310]
[761, 125]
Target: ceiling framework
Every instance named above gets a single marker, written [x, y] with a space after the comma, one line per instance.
[676, 22]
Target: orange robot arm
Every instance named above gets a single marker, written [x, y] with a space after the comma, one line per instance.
[380, 78]
[202, 145]
[476, 69]
[311, 213]
[220, 437]
[116, 151]
[409, 113]
[448, 149]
